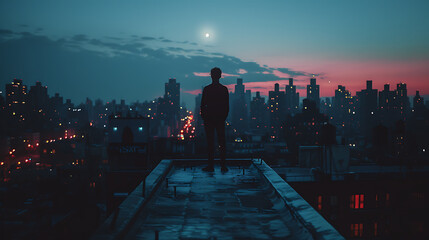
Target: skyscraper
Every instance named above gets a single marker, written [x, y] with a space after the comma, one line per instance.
[367, 106]
[344, 109]
[292, 98]
[38, 97]
[386, 102]
[313, 92]
[402, 102]
[418, 101]
[37, 103]
[277, 110]
[239, 107]
[172, 94]
[258, 112]
[16, 97]
[171, 105]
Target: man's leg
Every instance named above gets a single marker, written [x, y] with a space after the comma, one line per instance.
[220, 129]
[209, 129]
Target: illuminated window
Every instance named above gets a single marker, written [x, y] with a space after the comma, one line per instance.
[356, 229]
[115, 129]
[140, 129]
[356, 201]
[319, 202]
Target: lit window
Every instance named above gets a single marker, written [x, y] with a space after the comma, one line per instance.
[115, 129]
[356, 201]
[356, 229]
[140, 129]
[319, 202]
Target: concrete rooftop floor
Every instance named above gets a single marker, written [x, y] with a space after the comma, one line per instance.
[216, 206]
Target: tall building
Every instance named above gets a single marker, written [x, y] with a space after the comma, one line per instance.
[172, 93]
[239, 116]
[170, 106]
[38, 97]
[258, 112]
[277, 110]
[313, 92]
[16, 97]
[344, 108]
[367, 108]
[292, 98]
[386, 102]
[402, 102]
[418, 101]
[38, 105]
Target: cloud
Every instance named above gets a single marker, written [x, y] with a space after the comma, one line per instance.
[241, 71]
[80, 66]
[148, 38]
[80, 37]
[5, 32]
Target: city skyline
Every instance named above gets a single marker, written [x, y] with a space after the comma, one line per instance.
[341, 43]
[113, 121]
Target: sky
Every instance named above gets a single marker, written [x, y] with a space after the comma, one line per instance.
[129, 49]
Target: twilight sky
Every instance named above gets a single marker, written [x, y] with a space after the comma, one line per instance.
[129, 49]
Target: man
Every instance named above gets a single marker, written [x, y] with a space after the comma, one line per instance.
[214, 110]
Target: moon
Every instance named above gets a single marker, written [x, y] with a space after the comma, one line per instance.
[207, 35]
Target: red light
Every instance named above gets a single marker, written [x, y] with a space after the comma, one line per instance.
[2, 163]
[319, 202]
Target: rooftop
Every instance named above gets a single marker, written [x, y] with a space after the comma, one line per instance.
[250, 201]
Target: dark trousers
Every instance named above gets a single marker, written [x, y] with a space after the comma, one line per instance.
[210, 128]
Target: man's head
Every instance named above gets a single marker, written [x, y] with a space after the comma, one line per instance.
[216, 73]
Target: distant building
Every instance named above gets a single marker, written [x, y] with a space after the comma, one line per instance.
[37, 103]
[418, 101]
[172, 93]
[277, 110]
[386, 103]
[292, 98]
[367, 108]
[258, 113]
[344, 108]
[313, 92]
[304, 129]
[16, 97]
[169, 109]
[239, 114]
[402, 102]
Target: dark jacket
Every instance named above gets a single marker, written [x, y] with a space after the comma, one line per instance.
[215, 103]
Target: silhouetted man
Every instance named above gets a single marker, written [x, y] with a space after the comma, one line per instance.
[214, 110]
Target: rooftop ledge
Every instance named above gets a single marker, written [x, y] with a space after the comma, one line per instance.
[181, 201]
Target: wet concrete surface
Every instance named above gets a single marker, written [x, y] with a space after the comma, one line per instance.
[216, 205]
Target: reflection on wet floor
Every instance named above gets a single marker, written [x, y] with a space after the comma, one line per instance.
[201, 205]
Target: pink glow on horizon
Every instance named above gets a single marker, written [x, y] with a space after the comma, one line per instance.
[207, 74]
[193, 92]
[353, 74]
